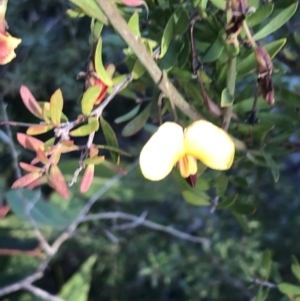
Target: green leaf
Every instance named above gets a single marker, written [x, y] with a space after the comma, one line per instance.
[296, 270]
[221, 184]
[226, 98]
[227, 202]
[214, 51]
[184, 53]
[110, 138]
[75, 13]
[221, 4]
[171, 57]
[137, 123]
[78, 286]
[260, 14]
[177, 25]
[134, 24]
[86, 129]
[243, 209]
[249, 63]
[242, 221]
[92, 9]
[276, 22]
[48, 214]
[289, 289]
[89, 98]
[128, 115]
[266, 264]
[200, 199]
[100, 70]
[96, 29]
[262, 294]
[56, 106]
[273, 165]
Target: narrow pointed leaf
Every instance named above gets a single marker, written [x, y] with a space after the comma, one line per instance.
[29, 167]
[78, 286]
[92, 9]
[38, 129]
[30, 102]
[87, 178]
[29, 142]
[273, 166]
[110, 138]
[26, 180]
[42, 156]
[129, 115]
[276, 22]
[94, 160]
[58, 182]
[260, 14]
[56, 106]
[89, 98]
[101, 71]
[195, 198]
[134, 24]
[137, 123]
[86, 129]
[289, 289]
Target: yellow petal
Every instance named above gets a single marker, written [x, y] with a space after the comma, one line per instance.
[209, 144]
[7, 48]
[187, 166]
[162, 151]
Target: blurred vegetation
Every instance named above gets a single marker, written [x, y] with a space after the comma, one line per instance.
[253, 241]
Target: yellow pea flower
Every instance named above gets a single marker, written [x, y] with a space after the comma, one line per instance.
[8, 43]
[171, 144]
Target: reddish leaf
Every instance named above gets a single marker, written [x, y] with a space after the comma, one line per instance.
[29, 142]
[26, 180]
[58, 182]
[136, 3]
[56, 106]
[133, 2]
[99, 83]
[56, 155]
[94, 151]
[4, 209]
[67, 142]
[42, 156]
[38, 129]
[37, 182]
[30, 102]
[29, 167]
[87, 178]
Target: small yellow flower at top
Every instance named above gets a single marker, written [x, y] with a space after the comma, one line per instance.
[8, 44]
[172, 145]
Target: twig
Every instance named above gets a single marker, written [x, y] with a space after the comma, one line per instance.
[27, 280]
[149, 224]
[145, 58]
[81, 216]
[264, 283]
[41, 293]
[18, 174]
[13, 150]
[139, 221]
[230, 280]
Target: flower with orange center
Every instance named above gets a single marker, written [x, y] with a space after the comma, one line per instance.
[8, 44]
[172, 145]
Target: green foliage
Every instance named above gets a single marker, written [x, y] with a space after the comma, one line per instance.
[249, 214]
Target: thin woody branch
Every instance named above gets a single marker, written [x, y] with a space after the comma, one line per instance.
[145, 58]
